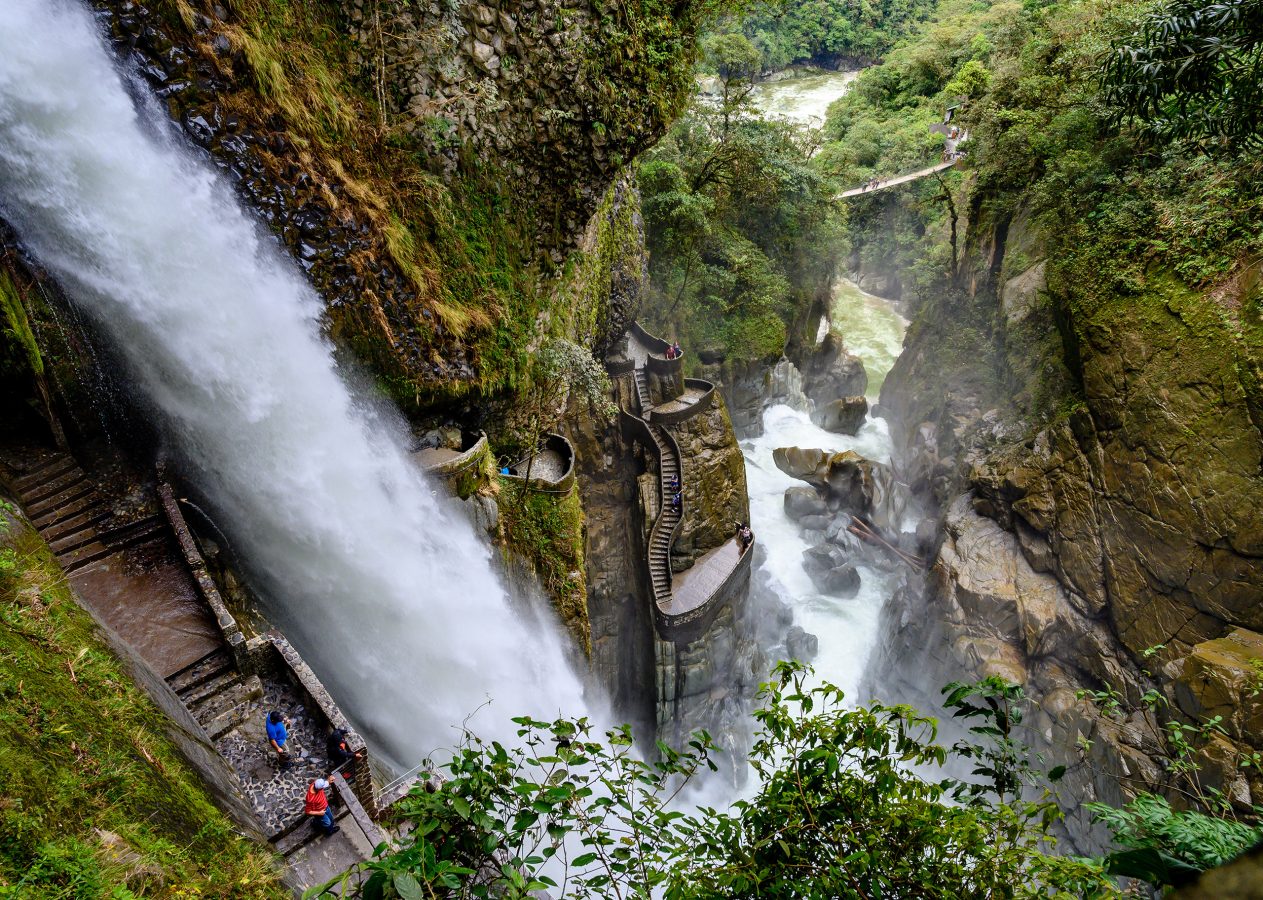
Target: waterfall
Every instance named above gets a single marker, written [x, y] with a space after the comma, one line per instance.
[388, 594]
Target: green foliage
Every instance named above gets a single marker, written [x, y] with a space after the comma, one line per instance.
[1169, 847]
[1194, 70]
[15, 328]
[797, 31]
[548, 529]
[90, 777]
[1163, 845]
[838, 811]
[742, 232]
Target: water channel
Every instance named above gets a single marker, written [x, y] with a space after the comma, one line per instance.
[873, 331]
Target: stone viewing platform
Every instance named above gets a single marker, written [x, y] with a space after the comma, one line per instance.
[552, 469]
[137, 566]
[684, 605]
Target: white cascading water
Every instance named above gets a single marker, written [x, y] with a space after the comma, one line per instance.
[388, 594]
[845, 627]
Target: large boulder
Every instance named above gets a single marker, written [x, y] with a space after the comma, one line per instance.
[849, 482]
[804, 501]
[843, 581]
[830, 372]
[842, 416]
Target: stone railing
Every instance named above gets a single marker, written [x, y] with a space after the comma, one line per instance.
[689, 626]
[564, 483]
[231, 632]
[657, 362]
[457, 464]
[704, 402]
[268, 653]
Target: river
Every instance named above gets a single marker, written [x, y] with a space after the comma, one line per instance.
[873, 331]
[802, 94]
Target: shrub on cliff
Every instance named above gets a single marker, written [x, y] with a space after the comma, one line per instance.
[837, 812]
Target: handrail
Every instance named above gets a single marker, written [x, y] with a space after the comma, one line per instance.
[662, 500]
[688, 626]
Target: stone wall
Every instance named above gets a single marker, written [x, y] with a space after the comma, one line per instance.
[714, 476]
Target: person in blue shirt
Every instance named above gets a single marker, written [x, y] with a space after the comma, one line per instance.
[277, 738]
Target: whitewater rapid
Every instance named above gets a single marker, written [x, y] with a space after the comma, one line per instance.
[847, 628]
[386, 592]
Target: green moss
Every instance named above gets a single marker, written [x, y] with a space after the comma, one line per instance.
[83, 751]
[548, 530]
[17, 327]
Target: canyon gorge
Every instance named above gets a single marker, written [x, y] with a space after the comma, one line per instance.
[411, 369]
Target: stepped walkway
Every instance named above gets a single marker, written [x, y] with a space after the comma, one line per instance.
[683, 607]
[147, 582]
[127, 573]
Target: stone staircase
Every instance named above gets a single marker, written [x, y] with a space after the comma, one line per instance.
[231, 707]
[669, 470]
[68, 511]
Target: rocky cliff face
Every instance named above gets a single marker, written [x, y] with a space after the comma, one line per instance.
[561, 93]
[1098, 454]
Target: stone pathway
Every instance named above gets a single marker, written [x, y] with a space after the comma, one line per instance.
[698, 583]
[277, 797]
[129, 573]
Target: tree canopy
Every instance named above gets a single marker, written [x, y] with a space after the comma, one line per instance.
[1193, 70]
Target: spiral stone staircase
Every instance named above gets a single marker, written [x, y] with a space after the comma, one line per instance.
[683, 606]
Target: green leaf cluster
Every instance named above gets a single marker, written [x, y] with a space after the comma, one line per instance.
[742, 230]
[840, 808]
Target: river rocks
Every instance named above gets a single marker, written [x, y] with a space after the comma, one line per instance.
[830, 570]
[801, 645]
[830, 372]
[815, 523]
[804, 501]
[843, 416]
[849, 483]
[843, 581]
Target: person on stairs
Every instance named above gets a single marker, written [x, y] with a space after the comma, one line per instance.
[278, 738]
[676, 352]
[317, 806]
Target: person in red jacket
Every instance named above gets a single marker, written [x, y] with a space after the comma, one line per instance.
[317, 804]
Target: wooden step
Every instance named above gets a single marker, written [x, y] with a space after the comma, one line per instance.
[51, 504]
[53, 486]
[82, 557]
[46, 470]
[199, 671]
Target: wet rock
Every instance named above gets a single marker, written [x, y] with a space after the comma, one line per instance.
[822, 558]
[849, 482]
[815, 523]
[844, 581]
[830, 372]
[804, 501]
[843, 416]
[801, 645]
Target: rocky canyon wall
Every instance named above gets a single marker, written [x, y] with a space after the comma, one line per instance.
[1096, 453]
